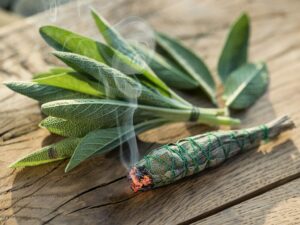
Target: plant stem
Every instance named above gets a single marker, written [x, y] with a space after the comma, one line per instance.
[217, 120]
[205, 116]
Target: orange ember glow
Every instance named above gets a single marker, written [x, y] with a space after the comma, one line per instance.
[137, 184]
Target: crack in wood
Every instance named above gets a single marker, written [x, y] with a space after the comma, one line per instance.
[85, 192]
[31, 183]
[246, 197]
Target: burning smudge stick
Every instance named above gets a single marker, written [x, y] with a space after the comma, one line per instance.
[194, 154]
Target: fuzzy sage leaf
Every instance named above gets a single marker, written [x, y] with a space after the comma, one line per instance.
[166, 70]
[55, 152]
[67, 41]
[129, 56]
[104, 140]
[78, 128]
[53, 71]
[189, 62]
[43, 93]
[245, 85]
[235, 50]
[74, 82]
[104, 109]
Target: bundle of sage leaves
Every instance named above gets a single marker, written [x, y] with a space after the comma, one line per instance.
[108, 93]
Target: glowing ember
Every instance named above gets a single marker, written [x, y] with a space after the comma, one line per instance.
[139, 182]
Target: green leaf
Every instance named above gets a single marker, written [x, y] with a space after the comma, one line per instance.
[116, 84]
[245, 85]
[128, 55]
[75, 128]
[115, 40]
[74, 82]
[189, 62]
[104, 109]
[104, 140]
[67, 41]
[89, 109]
[52, 71]
[235, 51]
[69, 128]
[43, 93]
[58, 151]
[166, 70]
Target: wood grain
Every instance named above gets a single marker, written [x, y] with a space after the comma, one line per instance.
[97, 192]
[279, 206]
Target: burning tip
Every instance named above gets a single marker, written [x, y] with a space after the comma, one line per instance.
[140, 179]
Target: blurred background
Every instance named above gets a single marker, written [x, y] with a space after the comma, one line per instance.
[12, 10]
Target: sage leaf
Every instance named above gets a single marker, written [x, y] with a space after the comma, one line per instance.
[104, 109]
[116, 41]
[72, 128]
[116, 84]
[89, 109]
[189, 62]
[76, 128]
[43, 93]
[245, 85]
[55, 152]
[166, 70]
[73, 81]
[104, 140]
[130, 57]
[235, 50]
[52, 71]
[67, 41]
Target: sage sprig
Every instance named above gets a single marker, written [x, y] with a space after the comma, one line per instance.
[241, 85]
[105, 96]
[190, 63]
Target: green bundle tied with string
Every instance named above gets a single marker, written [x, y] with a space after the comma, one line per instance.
[192, 155]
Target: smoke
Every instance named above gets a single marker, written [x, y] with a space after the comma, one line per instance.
[135, 31]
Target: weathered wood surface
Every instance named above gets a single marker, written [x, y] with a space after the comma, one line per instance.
[97, 192]
[278, 206]
[7, 18]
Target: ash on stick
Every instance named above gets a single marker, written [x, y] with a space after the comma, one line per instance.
[192, 155]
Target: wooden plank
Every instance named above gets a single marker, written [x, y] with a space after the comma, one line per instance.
[279, 206]
[97, 192]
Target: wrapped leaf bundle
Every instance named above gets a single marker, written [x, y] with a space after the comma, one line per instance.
[192, 155]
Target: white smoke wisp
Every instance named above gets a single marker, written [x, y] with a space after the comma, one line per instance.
[135, 31]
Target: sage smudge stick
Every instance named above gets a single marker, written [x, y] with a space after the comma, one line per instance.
[192, 155]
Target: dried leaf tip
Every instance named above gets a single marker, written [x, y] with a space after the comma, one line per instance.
[280, 125]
